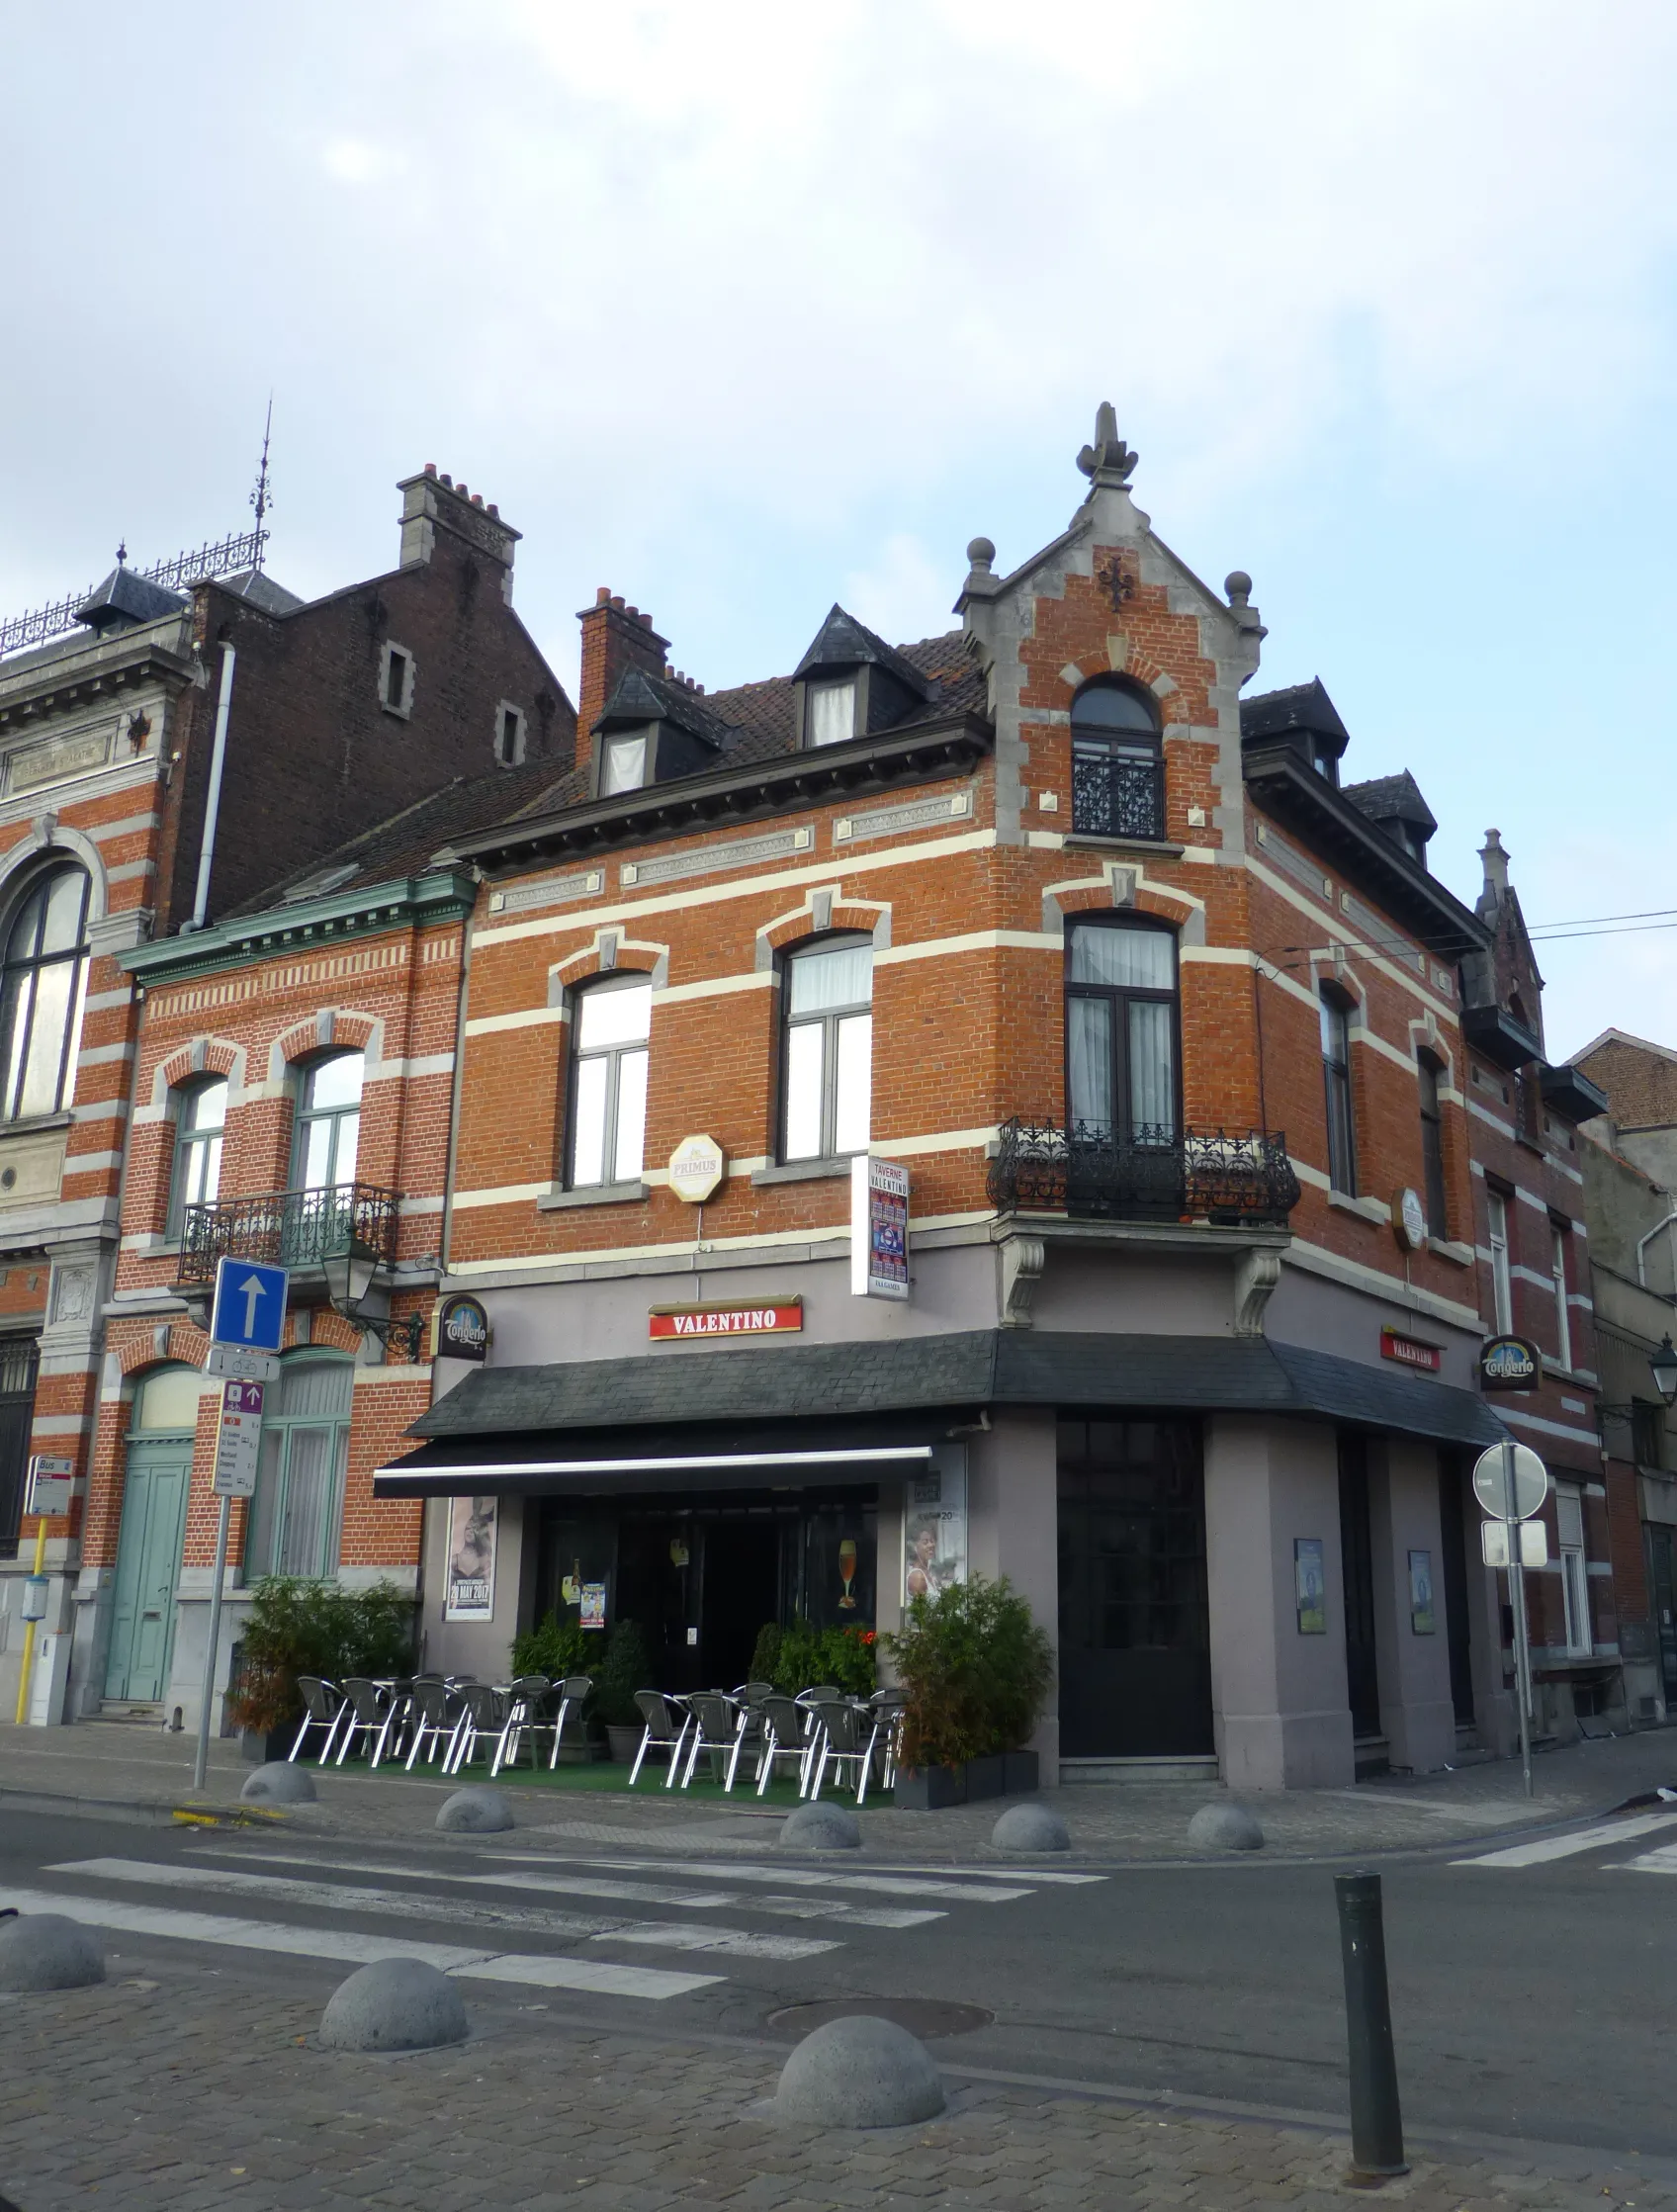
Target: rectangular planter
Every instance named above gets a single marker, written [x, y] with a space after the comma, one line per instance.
[929, 1789]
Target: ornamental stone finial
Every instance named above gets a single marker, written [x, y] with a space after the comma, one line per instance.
[1109, 460]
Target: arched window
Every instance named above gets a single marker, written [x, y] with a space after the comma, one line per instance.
[1122, 1031]
[165, 1402]
[296, 1515]
[329, 1123]
[1117, 769]
[827, 1078]
[40, 994]
[610, 1025]
[201, 1114]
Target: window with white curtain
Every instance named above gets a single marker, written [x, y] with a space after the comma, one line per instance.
[1122, 1031]
[1562, 1313]
[296, 1515]
[609, 1083]
[827, 1085]
[1502, 1282]
[832, 711]
[200, 1119]
[1574, 1567]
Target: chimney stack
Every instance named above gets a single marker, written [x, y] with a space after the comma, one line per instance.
[615, 639]
[431, 502]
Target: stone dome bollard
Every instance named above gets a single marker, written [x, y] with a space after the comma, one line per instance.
[393, 2004]
[279, 1783]
[1031, 1829]
[47, 1951]
[1224, 1827]
[821, 1827]
[859, 2072]
[476, 1811]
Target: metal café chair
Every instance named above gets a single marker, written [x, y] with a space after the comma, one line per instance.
[667, 1721]
[323, 1705]
[573, 1693]
[719, 1725]
[783, 1737]
[526, 1695]
[889, 1709]
[436, 1713]
[848, 1736]
[484, 1711]
[368, 1713]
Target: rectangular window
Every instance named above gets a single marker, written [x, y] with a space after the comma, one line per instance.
[608, 1096]
[1562, 1316]
[1574, 1568]
[509, 738]
[18, 1358]
[1336, 1072]
[199, 1125]
[832, 712]
[625, 765]
[828, 1053]
[397, 669]
[1502, 1283]
[1432, 1147]
[1647, 1432]
[1121, 1034]
[329, 1123]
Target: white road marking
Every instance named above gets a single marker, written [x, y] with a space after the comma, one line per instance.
[597, 1975]
[343, 1897]
[1549, 1848]
[796, 1878]
[640, 1893]
[1662, 1860]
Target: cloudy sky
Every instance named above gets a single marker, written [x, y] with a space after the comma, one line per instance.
[740, 308]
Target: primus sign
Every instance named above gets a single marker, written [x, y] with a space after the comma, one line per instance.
[726, 1320]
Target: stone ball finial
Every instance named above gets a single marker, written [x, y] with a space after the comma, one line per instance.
[1238, 585]
[980, 553]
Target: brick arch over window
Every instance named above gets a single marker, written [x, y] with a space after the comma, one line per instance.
[623, 956]
[868, 918]
[203, 1056]
[1122, 890]
[332, 1031]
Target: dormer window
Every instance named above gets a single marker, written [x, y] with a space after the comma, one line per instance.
[623, 763]
[1326, 762]
[832, 711]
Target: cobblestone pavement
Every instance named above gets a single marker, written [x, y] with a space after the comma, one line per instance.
[184, 2091]
[1117, 1823]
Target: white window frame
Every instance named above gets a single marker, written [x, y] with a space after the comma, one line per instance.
[1502, 1280]
[843, 1052]
[389, 653]
[1562, 1313]
[823, 689]
[191, 1145]
[615, 1171]
[1574, 1568]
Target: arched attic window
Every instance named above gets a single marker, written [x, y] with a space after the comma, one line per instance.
[1117, 766]
[40, 994]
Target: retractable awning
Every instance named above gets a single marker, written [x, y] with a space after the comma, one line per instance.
[795, 1417]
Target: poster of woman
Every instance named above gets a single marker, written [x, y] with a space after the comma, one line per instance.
[934, 1534]
[470, 1591]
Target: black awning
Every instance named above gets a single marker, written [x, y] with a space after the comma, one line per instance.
[779, 1416]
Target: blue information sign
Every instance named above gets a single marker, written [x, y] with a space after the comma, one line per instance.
[251, 1306]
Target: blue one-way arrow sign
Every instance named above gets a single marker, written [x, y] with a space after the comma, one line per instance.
[251, 1306]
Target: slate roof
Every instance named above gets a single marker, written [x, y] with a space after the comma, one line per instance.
[758, 1397]
[126, 596]
[1298, 706]
[1392, 799]
[642, 698]
[842, 642]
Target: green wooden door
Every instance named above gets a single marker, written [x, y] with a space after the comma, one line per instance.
[148, 1558]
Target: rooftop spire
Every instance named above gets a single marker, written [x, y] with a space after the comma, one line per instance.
[262, 498]
[1108, 461]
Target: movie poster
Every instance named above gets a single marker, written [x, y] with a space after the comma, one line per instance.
[1311, 1585]
[471, 1592]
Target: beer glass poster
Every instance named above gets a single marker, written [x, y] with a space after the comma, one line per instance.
[471, 1593]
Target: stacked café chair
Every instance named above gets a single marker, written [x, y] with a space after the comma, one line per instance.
[323, 1705]
[667, 1721]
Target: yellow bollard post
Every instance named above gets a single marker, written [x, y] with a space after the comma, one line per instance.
[28, 1626]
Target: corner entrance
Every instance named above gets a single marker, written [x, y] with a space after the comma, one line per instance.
[1135, 1651]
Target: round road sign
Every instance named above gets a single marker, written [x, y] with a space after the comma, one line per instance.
[1531, 1482]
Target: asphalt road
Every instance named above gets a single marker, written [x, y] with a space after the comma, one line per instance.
[1529, 2002]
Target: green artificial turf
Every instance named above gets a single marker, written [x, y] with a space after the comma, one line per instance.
[601, 1777]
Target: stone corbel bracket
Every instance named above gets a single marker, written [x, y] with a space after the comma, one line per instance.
[1022, 1261]
[1256, 1275]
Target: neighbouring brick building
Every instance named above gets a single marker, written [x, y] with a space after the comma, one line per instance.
[178, 752]
[1154, 1034]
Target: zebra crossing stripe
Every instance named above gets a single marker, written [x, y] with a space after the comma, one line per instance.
[835, 1909]
[343, 1897]
[798, 1878]
[599, 1976]
[1662, 1860]
[1551, 1847]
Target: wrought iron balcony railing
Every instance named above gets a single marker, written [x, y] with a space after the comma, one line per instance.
[1116, 797]
[288, 1229]
[1155, 1174]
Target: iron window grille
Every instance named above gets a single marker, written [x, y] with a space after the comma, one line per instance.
[1230, 1178]
[1117, 771]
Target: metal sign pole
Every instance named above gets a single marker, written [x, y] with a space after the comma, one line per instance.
[200, 1765]
[1517, 1606]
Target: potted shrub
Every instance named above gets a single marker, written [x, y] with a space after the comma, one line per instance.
[806, 1655]
[625, 1669]
[295, 1627]
[975, 1670]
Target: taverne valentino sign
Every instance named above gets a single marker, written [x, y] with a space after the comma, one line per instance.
[726, 1320]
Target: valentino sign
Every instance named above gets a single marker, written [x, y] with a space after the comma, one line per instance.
[726, 1320]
